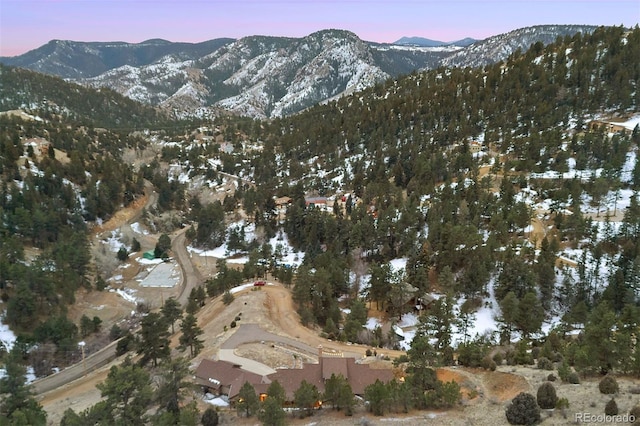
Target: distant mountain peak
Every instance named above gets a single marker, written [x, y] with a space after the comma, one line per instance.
[425, 42]
[419, 41]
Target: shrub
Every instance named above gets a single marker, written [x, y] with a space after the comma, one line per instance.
[233, 324]
[209, 417]
[115, 333]
[523, 410]
[611, 409]
[488, 364]
[573, 378]
[608, 385]
[547, 397]
[227, 298]
[562, 403]
[564, 371]
[635, 412]
[535, 352]
[545, 364]
[498, 358]
[551, 377]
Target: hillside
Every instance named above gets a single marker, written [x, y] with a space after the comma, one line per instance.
[263, 77]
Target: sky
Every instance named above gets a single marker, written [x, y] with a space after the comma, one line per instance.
[28, 24]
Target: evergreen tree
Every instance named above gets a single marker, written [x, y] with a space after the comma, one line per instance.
[377, 395]
[277, 392]
[523, 410]
[17, 404]
[248, 402]
[189, 338]
[306, 396]
[127, 392]
[210, 417]
[174, 385]
[272, 413]
[171, 311]
[163, 246]
[153, 339]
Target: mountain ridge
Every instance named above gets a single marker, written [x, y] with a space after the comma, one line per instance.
[263, 76]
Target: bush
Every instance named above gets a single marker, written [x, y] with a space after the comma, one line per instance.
[551, 377]
[523, 410]
[562, 403]
[233, 324]
[535, 352]
[545, 364]
[611, 409]
[635, 412]
[608, 385]
[547, 397]
[573, 378]
[488, 364]
[115, 333]
[209, 417]
[564, 371]
[498, 358]
[227, 298]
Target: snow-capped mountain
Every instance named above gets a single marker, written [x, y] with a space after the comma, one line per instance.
[256, 76]
[262, 76]
[500, 47]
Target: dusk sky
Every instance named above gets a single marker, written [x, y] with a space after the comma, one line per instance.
[28, 24]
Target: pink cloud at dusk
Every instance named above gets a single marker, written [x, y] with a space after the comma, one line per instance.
[28, 24]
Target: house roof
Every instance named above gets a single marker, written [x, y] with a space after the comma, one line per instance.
[315, 200]
[359, 376]
[223, 374]
[218, 374]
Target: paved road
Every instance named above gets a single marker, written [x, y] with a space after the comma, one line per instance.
[190, 275]
[190, 279]
[75, 371]
[252, 333]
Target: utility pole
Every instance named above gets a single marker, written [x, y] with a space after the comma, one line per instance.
[84, 364]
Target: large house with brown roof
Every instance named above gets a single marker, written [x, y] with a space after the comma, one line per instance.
[225, 378]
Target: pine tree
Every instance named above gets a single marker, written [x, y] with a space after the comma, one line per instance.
[248, 402]
[306, 396]
[171, 311]
[154, 339]
[17, 404]
[272, 413]
[127, 392]
[174, 386]
[189, 338]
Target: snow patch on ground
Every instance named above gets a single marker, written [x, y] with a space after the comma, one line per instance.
[127, 294]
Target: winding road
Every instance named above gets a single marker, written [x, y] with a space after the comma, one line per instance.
[190, 279]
